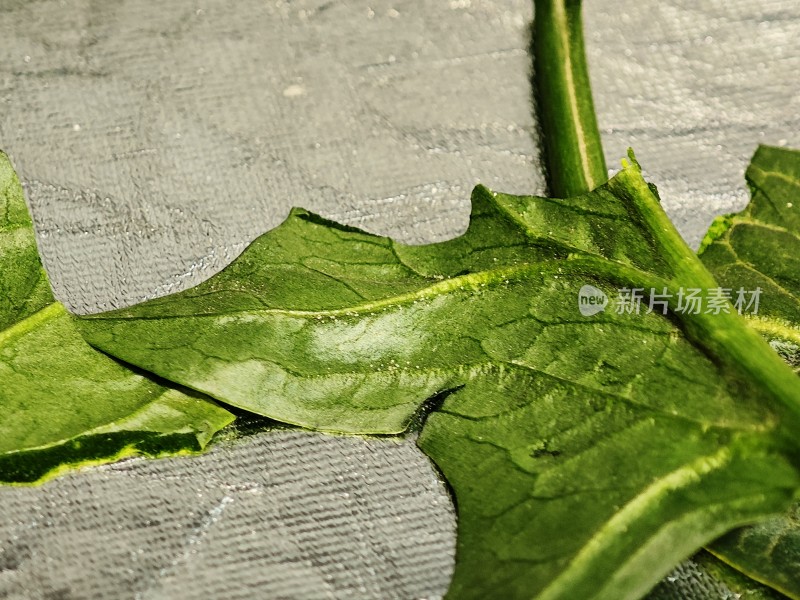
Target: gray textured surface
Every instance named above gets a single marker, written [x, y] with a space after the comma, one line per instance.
[280, 515]
[156, 139]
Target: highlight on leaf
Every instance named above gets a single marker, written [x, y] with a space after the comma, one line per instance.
[588, 455]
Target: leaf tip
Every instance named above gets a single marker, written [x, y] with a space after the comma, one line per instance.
[481, 190]
[631, 161]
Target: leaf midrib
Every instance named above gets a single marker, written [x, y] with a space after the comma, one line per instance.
[600, 267]
[640, 505]
[43, 315]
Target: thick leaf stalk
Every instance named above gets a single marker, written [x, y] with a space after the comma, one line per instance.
[573, 153]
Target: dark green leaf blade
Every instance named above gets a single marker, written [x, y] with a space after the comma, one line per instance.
[62, 402]
[292, 318]
[588, 454]
[760, 248]
[705, 576]
[528, 531]
[259, 334]
[768, 551]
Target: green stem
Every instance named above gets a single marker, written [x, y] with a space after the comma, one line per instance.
[727, 335]
[573, 152]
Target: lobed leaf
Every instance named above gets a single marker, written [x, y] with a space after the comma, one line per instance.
[587, 454]
[760, 248]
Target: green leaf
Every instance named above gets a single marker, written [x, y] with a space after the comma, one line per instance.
[768, 552]
[63, 403]
[587, 454]
[705, 576]
[760, 248]
[738, 583]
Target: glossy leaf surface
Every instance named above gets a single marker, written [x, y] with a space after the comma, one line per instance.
[588, 454]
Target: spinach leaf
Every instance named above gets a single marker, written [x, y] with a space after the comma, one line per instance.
[588, 453]
[759, 248]
[705, 576]
[63, 403]
[768, 551]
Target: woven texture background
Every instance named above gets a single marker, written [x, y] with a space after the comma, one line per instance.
[156, 139]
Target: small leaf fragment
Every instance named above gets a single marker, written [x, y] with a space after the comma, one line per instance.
[63, 403]
[759, 249]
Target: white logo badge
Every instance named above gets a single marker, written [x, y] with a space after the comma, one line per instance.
[591, 300]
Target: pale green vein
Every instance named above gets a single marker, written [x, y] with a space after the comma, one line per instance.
[774, 328]
[51, 311]
[606, 537]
